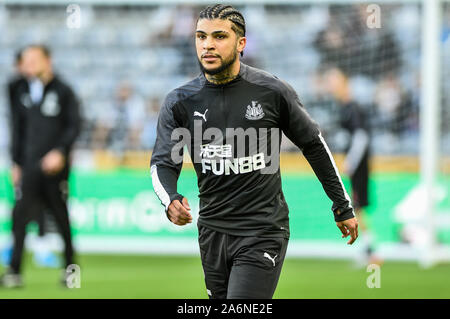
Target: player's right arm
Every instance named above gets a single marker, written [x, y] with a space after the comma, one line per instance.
[17, 135]
[56, 159]
[165, 169]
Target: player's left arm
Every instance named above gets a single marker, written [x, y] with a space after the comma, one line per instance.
[300, 128]
[359, 141]
[72, 122]
[321, 160]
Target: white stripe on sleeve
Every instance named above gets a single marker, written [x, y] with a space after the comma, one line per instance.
[335, 169]
[159, 189]
[360, 142]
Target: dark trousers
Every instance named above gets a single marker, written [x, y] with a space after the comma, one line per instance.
[39, 191]
[240, 267]
[360, 184]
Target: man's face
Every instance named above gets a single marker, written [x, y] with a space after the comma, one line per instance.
[217, 45]
[124, 92]
[334, 82]
[34, 63]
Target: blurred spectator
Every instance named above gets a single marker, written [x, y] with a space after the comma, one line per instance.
[148, 137]
[348, 43]
[120, 127]
[388, 99]
[181, 35]
[331, 45]
[394, 106]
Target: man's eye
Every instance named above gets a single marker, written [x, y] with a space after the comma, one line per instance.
[201, 36]
[220, 36]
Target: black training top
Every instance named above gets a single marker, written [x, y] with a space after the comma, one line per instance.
[53, 123]
[354, 120]
[240, 187]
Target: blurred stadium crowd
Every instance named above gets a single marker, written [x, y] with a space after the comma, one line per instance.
[125, 59]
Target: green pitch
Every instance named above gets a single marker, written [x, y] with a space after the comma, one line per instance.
[120, 276]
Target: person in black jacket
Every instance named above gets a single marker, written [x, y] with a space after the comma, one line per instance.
[229, 117]
[45, 124]
[42, 256]
[354, 119]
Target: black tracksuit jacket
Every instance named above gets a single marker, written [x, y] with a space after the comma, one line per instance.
[54, 123]
[236, 195]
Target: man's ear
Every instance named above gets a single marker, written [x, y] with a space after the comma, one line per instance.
[241, 44]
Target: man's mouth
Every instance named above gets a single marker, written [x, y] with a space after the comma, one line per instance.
[209, 57]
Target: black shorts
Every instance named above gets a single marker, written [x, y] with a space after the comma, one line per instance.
[360, 184]
[240, 267]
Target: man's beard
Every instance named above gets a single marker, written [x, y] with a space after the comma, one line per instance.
[224, 66]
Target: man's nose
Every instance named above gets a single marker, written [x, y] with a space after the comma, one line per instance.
[208, 44]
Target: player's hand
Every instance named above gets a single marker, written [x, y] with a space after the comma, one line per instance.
[53, 162]
[178, 212]
[349, 227]
[16, 174]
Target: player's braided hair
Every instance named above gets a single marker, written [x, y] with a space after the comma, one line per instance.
[225, 12]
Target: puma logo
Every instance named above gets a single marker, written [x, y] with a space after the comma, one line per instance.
[266, 255]
[200, 114]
